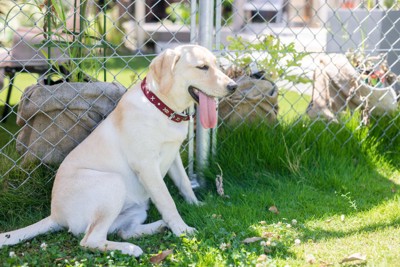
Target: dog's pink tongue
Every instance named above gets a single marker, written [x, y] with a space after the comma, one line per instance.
[208, 111]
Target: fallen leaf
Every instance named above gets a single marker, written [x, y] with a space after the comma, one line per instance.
[324, 264]
[161, 256]
[267, 250]
[262, 258]
[310, 259]
[267, 234]
[355, 257]
[219, 183]
[274, 209]
[251, 239]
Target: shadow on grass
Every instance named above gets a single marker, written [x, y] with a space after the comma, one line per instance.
[385, 131]
[318, 233]
[309, 171]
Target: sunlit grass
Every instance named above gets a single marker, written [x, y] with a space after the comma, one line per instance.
[335, 186]
[333, 200]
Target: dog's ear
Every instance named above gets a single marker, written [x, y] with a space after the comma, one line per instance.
[162, 68]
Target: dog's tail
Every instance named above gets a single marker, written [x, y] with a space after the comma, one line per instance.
[17, 236]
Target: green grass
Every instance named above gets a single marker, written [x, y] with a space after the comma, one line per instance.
[344, 198]
[339, 182]
[125, 70]
[292, 105]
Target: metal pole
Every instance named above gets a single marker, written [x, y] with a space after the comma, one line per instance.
[218, 29]
[49, 37]
[193, 22]
[218, 21]
[206, 15]
[193, 33]
[238, 15]
[140, 12]
[104, 40]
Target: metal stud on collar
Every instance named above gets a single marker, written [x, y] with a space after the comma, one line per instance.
[171, 114]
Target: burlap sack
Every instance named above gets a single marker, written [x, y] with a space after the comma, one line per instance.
[338, 85]
[56, 118]
[254, 100]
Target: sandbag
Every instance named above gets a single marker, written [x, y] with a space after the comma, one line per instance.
[338, 86]
[254, 100]
[54, 119]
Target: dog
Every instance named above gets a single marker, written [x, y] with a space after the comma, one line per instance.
[105, 184]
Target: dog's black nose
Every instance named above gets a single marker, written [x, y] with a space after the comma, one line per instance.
[232, 87]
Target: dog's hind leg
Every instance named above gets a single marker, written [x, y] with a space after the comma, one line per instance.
[134, 231]
[17, 236]
[130, 222]
[96, 238]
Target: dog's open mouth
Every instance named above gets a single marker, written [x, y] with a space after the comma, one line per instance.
[194, 92]
[207, 107]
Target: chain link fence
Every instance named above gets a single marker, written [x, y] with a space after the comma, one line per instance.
[294, 61]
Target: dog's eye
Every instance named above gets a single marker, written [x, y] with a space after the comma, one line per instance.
[203, 67]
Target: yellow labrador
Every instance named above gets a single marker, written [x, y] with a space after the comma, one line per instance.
[104, 185]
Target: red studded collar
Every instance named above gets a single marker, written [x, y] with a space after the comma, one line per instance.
[172, 115]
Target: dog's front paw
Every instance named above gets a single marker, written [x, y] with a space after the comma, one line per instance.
[132, 250]
[195, 202]
[178, 230]
[192, 199]
[199, 203]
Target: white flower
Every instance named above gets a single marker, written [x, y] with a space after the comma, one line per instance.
[294, 221]
[224, 246]
[12, 254]
[43, 246]
[288, 225]
[310, 259]
[297, 242]
[263, 243]
[262, 258]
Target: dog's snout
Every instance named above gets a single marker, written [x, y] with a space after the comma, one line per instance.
[232, 87]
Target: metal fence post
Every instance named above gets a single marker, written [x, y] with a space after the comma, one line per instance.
[206, 29]
[140, 14]
[193, 35]
[368, 33]
[218, 28]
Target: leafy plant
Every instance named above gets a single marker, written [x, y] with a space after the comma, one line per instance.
[82, 42]
[66, 28]
[391, 4]
[278, 60]
[370, 4]
[370, 66]
[179, 13]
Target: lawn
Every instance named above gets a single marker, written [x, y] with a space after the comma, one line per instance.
[125, 70]
[301, 193]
